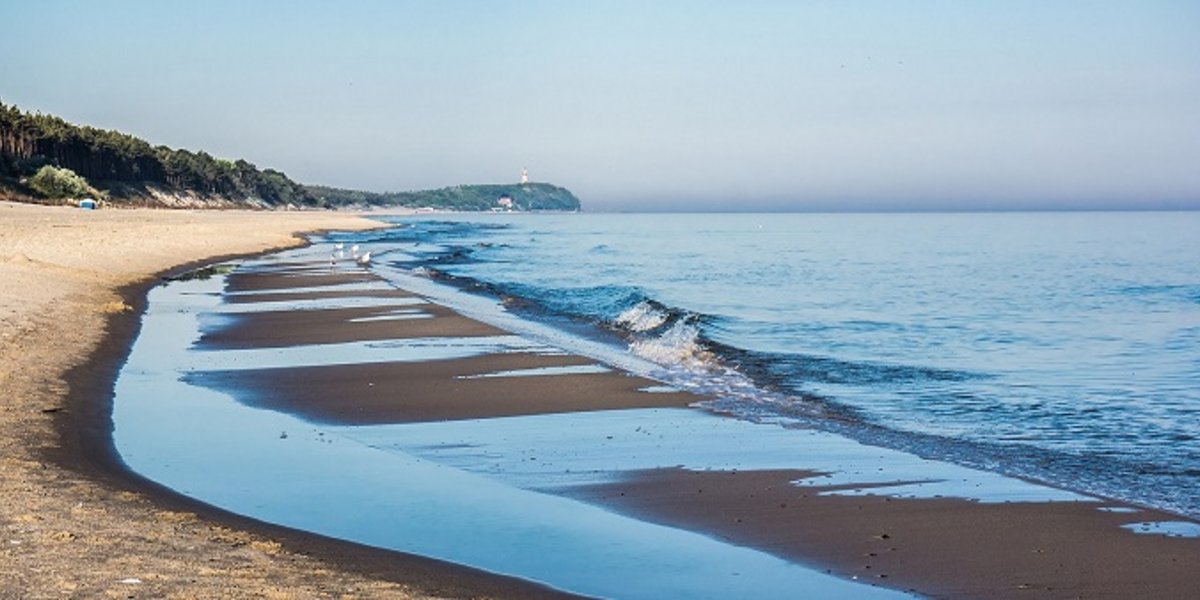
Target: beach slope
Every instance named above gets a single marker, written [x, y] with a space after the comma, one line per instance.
[75, 523]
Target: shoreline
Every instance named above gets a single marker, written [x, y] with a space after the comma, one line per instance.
[68, 500]
[286, 469]
[176, 546]
[95, 455]
[928, 544]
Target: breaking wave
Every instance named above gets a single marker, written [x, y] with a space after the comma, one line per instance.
[679, 345]
[643, 316]
[928, 366]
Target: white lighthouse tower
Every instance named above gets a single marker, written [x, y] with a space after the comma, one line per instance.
[524, 176]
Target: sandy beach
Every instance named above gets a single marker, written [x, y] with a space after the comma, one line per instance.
[613, 300]
[75, 523]
[69, 319]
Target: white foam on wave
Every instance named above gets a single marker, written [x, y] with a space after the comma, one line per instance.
[643, 316]
[678, 346]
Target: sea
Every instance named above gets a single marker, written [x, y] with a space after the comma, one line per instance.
[1059, 347]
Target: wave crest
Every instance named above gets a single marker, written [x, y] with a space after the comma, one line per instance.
[680, 345]
[643, 316]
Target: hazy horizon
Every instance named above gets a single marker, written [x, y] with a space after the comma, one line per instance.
[658, 106]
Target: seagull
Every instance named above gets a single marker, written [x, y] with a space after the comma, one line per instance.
[365, 259]
[354, 251]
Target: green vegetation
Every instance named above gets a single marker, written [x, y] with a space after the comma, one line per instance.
[531, 196]
[125, 164]
[43, 156]
[56, 183]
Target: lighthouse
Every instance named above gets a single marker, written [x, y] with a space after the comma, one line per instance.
[524, 176]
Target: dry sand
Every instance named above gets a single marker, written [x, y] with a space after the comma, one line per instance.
[72, 522]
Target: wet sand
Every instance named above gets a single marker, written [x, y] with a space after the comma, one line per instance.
[951, 548]
[373, 394]
[397, 392]
[330, 326]
[306, 275]
[944, 548]
[75, 523]
[288, 296]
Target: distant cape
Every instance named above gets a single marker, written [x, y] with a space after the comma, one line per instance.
[43, 158]
[516, 197]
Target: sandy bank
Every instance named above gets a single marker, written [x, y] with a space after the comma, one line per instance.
[75, 525]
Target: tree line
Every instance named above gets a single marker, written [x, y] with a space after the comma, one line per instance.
[530, 196]
[46, 156]
[122, 163]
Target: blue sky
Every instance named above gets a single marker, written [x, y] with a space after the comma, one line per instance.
[713, 105]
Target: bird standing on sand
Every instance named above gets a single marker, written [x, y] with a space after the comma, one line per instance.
[365, 259]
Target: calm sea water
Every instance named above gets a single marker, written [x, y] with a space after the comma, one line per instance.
[1064, 347]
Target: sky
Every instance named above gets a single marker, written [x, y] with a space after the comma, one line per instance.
[658, 105]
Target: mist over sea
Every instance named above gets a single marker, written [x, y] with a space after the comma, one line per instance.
[1063, 347]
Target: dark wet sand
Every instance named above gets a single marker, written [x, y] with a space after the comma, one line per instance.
[284, 279]
[945, 548]
[288, 296]
[274, 329]
[941, 548]
[403, 392]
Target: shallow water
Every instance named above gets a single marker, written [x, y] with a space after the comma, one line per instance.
[463, 491]
[280, 469]
[551, 452]
[1059, 346]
